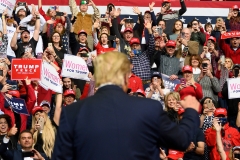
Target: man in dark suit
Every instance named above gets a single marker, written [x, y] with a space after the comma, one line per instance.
[26, 142]
[114, 126]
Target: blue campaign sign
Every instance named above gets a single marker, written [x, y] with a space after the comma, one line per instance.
[18, 105]
[169, 83]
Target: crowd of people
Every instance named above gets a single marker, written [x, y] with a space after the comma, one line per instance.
[158, 43]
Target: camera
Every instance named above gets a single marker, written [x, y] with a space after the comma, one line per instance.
[204, 65]
[22, 3]
[59, 13]
[222, 120]
[13, 87]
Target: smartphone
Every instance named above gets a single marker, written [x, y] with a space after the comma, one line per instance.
[49, 44]
[41, 122]
[59, 13]
[209, 104]
[39, 55]
[155, 79]
[204, 65]
[111, 38]
[109, 9]
[185, 49]
[23, 28]
[236, 73]
[222, 120]
[28, 154]
[183, 35]
[183, 81]
[237, 155]
[13, 87]
[159, 30]
[22, 3]
[104, 20]
[1, 72]
[222, 59]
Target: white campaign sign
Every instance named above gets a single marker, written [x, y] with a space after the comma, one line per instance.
[233, 88]
[9, 4]
[50, 78]
[74, 67]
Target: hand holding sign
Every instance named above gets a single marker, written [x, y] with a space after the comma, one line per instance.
[27, 81]
[12, 131]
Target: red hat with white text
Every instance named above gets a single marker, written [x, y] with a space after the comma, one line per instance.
[171, 43]
[220, 111]
[187, 68]
[212, 38]
[134, 41]
[140, 91]
[235, 7]
[69, 92]
[128, 30]
[35, 109]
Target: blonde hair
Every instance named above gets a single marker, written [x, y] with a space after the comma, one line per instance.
[48, 135]
[111, 67]
[232, 64]
[175, 95]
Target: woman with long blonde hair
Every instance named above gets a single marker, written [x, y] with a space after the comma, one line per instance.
[44, 131]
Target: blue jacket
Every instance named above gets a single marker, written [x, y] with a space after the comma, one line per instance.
[112, 125]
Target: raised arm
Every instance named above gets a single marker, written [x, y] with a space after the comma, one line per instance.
[96, 14]
[4, 26]
[73, 7]
[37, 27]
[58, 108]
[183, 8]
[25, 20]
[13, 43]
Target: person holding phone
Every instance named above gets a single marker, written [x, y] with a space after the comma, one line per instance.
[44, 131]
[229, 135]
[210, 84]
[235, 153]
[21, 13]
[157, 90]
[26, 142]
[188, 86]
[232, 22]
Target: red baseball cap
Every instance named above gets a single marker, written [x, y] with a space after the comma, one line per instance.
[83, 49]
[69, 92]
[173, 154]
[134, 41]
[35, 109]
[235, 7]
[128, 30]
[167, 1]
[220, 111]
[187, 68]
[212, 38]
[82, 32]
[14, 93]
[158, 37]
[171, 43]
[141, 92]
[181, 111]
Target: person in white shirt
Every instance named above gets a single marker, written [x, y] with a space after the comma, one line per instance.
[29, 22]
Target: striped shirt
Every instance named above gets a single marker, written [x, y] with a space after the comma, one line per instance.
[141, 63]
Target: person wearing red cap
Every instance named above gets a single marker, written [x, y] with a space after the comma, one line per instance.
[141, 60]
[170, 16]
[44, 131]
[169, 63]
[232, 22]
[230, 136]
[69, 97]
[211, 52]
[188, 86]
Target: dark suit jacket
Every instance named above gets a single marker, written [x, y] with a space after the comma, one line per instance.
[13, 154]
[112, 125]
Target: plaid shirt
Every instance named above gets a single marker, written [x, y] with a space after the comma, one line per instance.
[141, 63]
[4, 45]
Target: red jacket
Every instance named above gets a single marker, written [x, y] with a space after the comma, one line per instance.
[85, 91]
[46, 17]
[100, 49]
[231, 139]
[135, 83]
[229, 52]
[190, 91]
[31, 100]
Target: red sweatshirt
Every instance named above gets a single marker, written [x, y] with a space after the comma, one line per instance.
[229, 52]
[190, 91]
[231, 139]
[100, 49]
[31, 100]
[135, 83]
[46, 17]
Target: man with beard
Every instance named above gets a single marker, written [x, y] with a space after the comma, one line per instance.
[170, 16]
[30, 22]
[27, 44]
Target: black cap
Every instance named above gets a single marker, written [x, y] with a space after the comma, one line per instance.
[236, 66]
[129, 20]
[156, 74]
[25, 31]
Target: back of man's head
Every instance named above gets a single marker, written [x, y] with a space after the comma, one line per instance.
[111, 67]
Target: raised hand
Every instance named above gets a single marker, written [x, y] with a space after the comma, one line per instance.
[27, 81]
[12, 131]
[116, 12]
[136, 10]
[148, 25]
[151, 6]
[5, 12]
